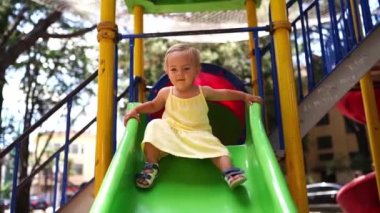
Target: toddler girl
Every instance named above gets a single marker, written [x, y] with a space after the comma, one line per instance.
[184, 129]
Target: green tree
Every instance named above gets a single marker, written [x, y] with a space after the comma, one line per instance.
[25, 30]
[22, 25]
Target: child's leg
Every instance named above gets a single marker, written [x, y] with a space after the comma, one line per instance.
[223, 163]
[233, 176]
[152, 156]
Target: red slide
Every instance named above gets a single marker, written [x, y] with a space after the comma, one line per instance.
[351, 105]
[360, 195]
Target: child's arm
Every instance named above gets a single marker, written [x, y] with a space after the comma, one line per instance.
[229, 95]
[148, 107]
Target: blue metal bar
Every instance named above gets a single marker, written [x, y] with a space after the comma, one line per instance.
[309, 7]
[196, 32]
[66, 153]
[367, 21]
[259, 69]
[299, 77]
[352, 39]
[114, 130]
[310, 74]
[15, 176]
[344, 26]
[277, 103]
[258, 64]
[131, 74]
[290, 3]
[276, 94]
[335, 31]
[317, 8]
[305, 41]
[56, 174]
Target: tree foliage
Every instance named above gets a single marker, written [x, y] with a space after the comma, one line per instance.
[47, 48]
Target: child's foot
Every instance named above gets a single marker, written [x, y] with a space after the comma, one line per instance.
[234, 177]
[146, 177]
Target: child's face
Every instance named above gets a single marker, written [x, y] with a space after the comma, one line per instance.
[181, 70]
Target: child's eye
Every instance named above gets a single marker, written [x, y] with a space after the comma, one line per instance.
[186, 68]
[173, 69]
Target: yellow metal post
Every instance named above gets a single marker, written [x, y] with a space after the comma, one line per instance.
[370, 107]
[357, 24]
[290, 118]
[107, 32]
[373, 124]
[138, 13]
[252, 22]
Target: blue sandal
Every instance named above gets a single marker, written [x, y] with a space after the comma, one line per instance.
[146, 177]
[234, 177]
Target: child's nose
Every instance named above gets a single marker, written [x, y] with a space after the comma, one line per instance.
[180, 73]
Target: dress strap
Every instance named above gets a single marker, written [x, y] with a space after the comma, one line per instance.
[200, 90]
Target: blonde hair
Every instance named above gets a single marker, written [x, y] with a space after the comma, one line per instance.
[193, 52]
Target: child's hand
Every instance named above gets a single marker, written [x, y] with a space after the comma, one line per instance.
[131, 114]
[250, 99]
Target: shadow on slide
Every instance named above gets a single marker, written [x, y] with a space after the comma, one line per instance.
[192, 185]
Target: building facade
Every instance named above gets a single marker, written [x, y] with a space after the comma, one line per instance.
[81, 161]
[330, 148]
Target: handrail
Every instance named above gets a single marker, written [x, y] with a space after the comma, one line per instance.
[47, 115]
[197, 32]
[39, 168]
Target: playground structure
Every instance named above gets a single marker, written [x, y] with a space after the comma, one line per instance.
[349, 52]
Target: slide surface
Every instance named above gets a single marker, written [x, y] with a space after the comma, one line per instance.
[192, 185]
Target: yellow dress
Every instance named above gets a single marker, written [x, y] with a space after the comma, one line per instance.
[184, 129]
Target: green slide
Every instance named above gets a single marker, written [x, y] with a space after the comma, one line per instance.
[196, 186]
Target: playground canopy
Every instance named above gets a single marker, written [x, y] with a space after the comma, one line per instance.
[210, 19]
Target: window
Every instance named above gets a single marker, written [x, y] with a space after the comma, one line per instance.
[349, 126]
[324, 142]
[77, 169]
[74, 148]
[324, 121]
[353, 155]
[326, 157]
